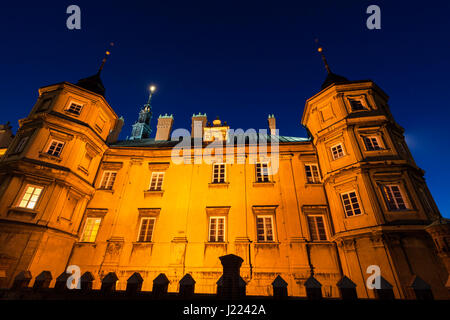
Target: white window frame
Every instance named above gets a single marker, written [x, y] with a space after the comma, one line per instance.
[316, 227]
[69, 108]
[147, 230]
[261, 178]
[370, 139]
[312, 178]
[58, 142]
[106, 184]
[158, 177]
[220, 167]
[216, 233]
[272, 226]
[335, 146]
[88, 237]
[358, 201]
[34, 201]
[395, 200]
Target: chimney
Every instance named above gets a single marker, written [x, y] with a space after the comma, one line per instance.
[272, 124]
[164, 127]
[201, 122]
[114, 134]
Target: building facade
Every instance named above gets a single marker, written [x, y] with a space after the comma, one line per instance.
[348, 197]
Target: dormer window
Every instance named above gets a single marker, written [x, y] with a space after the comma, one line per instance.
[74, 108]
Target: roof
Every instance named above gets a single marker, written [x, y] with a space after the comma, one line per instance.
[93, 83]
[333, 78]
[151, 142]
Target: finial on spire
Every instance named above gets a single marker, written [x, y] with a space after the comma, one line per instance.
[107, 53]
[320, 50]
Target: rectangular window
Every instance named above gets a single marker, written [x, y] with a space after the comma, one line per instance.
[312, 173]
[108, 180]
[262, 172]
[351, 204]
[218, 173]
[394, 197]
[55, 148]
[90, 231]
[146, 229]
[21, 145]
[356, 105]
[264, 228]
[30, 197]
[156, 181]
[317, 228]
[216, 229]
[74, 108]
[372, 143]
[337, 151]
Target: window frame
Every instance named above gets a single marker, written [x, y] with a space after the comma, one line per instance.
[146, 233]
[221, 165]
[85, 226]
[325, 230]
[69, 110]
[157, 174]
[313, 180]
[103, 179]
[272, 225]
[369, 138]
[49, 145]
[24, 191]
[402, 193]
[262, 163]
[342, 148]
[216, 235]
[353, 209]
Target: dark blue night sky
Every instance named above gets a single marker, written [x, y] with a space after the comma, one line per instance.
[239, 60]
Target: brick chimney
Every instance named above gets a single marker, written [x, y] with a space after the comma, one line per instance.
[201, 119]
[164, 127]
[272, 124]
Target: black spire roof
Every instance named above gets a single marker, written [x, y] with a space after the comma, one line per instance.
[333, 78]
[93, 83]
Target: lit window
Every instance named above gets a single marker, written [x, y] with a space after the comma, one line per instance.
[394, 198]
[337, 151]
[90, 229]
[55, 148]
[156, 181]
[351, 204]
[372, 143]
[356, 105]
[146, 229]
[312, 173]
[21, 145]
[216, 229]
[74, 108]
[317, 228]
[30, 197]
[262, 172]
[218, 173]
[108, 180]
[264, 228]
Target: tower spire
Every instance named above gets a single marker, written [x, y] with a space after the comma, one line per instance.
[107, 53]
[141, 128]
[332, 78]
[320, 50]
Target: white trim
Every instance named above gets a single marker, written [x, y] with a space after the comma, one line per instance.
[272, 218]
[159, 176]
[334, 146]
[140, 229]
[224, 172]
[217, 229]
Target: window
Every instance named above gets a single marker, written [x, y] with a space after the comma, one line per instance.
[372, 143]
[264, 228]
[108, 180]
[21, 145]
[218, 173]
[351, 204]
[90, 231]
[337, 151]
[55, 148]
[262, 172]
[356, 105]
[156, 181]
[146, 229]
[74, 108]
[216, 229]
[312, 173]
[317, 228]
[30, 197]
[394, 197]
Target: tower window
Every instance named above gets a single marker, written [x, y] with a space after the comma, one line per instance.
[356, 105]
[262, 172]
[312, 173]
[156, 181]
[216, 229]
[74, 108]
[146, 229]
[394, 197]
[351, 204]
[264, 228]
[30, 197]
[108, 180]
[90, 231]
[218, 173]
[372, 143]
[55, 148]
[337, 151]
[21, 145]
[317, 228]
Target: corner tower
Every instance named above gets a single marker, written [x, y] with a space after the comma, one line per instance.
[378, 198]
